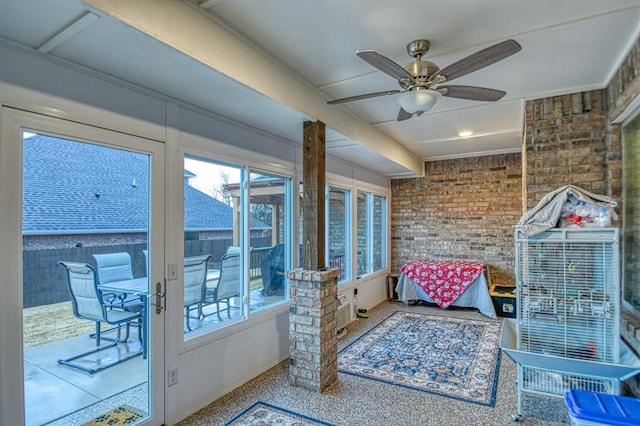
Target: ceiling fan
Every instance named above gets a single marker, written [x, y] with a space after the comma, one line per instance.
[418, 78]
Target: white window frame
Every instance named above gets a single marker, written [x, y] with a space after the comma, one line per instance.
[218, 152]
[348, 229]
[370, 193]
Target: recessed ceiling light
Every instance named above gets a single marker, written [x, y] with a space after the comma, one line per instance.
[465, 133]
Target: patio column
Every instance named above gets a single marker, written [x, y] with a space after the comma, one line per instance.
[313, 345]
[313, 182]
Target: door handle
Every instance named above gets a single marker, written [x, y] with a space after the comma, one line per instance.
[158, 296]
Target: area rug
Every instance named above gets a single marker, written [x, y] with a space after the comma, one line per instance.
[262, 413]
[122, 415]
[453, 357]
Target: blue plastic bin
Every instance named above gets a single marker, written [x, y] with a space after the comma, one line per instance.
[592, 408]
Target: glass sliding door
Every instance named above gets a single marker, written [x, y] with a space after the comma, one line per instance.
[92, 342]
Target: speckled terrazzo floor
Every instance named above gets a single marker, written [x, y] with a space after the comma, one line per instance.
[354, 400]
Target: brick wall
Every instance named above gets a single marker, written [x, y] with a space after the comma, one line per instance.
[625, 83]
[62, 241]
[568, 141]
[462, 209]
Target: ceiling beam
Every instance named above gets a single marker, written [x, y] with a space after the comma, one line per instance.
[189, 30]
[68, 32]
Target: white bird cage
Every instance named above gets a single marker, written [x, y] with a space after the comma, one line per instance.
[566, 332]
[568, 286]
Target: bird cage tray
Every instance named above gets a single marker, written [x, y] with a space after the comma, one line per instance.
[555, 375]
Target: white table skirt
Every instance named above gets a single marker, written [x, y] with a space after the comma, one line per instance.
[475, 296]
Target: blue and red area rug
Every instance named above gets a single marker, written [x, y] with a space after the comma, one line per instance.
[262, 413]
[453, 357]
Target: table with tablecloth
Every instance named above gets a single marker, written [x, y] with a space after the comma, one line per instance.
[447, 283]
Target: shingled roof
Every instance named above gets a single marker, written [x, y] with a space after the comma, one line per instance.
[71, 187]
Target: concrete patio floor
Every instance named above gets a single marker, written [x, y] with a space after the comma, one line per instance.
[54, 391]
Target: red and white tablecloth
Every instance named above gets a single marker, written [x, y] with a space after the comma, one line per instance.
[443, 281]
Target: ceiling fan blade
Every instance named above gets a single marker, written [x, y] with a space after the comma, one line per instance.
[404, 115]
[471, 92]
[365, 96]
[384, 64]
[480, 59]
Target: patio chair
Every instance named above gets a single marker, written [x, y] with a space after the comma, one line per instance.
[228, 283]
[195, 277]
[113, 267]
[88, 303]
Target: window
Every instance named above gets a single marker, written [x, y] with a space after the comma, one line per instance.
[223, 205]
[379, 234]
[339, 231]
[213, 262]
[269, 222]
[631, 213]
[363, 233]
[371, 232]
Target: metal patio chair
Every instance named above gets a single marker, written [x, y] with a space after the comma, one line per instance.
[228, 284]
[89, 304]
[195, 277]
[113, 267]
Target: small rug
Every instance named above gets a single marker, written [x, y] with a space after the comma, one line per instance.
[452, 357]
[262, 413]
[122, 415]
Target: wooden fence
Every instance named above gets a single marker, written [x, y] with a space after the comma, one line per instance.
[44, 282]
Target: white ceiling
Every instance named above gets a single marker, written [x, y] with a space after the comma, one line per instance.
[567, 46]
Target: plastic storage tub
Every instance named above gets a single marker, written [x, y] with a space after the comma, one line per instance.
[504, 300]
[592, 408]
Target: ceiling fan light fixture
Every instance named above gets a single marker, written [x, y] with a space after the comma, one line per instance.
[419, 101]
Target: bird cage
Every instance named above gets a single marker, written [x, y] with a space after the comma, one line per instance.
[568, 286]
[566, 332]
